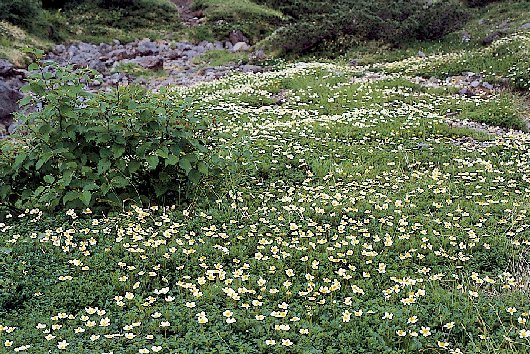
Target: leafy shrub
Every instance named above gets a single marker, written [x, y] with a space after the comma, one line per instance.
[84, 149]
[317, 22]
[107, 22]
[479, 3]
[253, 20]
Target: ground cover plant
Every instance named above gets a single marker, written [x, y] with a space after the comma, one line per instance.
[350, 217]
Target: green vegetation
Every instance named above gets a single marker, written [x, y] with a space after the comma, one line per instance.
[256, 21]
[349, 217]
[317, 207]
[29, 25]
[103, 149]
[139, 19]
[14, 40]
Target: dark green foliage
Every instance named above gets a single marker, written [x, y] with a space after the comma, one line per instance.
[317, 22]
[479, 3]
[20, 12]
[100, 149]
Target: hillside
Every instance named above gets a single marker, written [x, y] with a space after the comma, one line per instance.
[186, 197]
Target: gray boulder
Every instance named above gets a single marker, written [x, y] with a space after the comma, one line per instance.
[8, 103]
[251, 68]
[6, 68]
[240, 47]
[152, 62]
[492, 37]
[146, 47]
[237, 36]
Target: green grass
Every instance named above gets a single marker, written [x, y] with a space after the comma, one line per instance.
[13, 42]
[147, 19]
[255, 21]
[86, 22]
[346, 216]
[452, 56]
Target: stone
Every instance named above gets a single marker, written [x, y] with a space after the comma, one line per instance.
[146, 47]
[59, 49]
[466, 37]
[228, 45]
[465, 92]
[492, 37]
[258, 55]
[423, 146]
[6, 68]
[119, 54]
[8, 101]
[173, 54]
[421, 54]
[240, 47]
[190, 53]
[218, 45]
[251, 68]
[475, 83]
[526, 26]
[149, 62]
[487, 85]
[237, 36]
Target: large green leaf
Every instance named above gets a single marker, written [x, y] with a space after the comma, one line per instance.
[103, 166]
[152, 160]
[185, 164]
[85, 197]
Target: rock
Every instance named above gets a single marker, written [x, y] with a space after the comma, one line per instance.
[228, 45]
[146, 47]
[465, 92]
[423, 146]
[475, 83]
[526, 26]
[466, 37]
[13, 126]
[190, 53]
[8, 102]
[240, 47]
[218, 45]
[251, 68]
[149, 62]
[487, 85]
[173, 54]
[421, 54]
[59, 49]
[119, 54]
[492, 37]
[237, 36]
[6, 68]
[258, 55]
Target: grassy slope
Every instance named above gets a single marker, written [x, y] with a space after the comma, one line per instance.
[452, 56]
[353, 203]
[342, 205]
[86, 22]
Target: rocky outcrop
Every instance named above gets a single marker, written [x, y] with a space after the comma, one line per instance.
[175, 58]
[11, 80]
